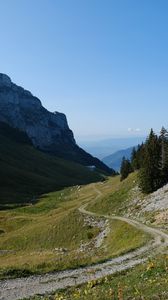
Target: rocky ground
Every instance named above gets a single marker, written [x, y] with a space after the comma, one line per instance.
[103, 226]
[152, 208]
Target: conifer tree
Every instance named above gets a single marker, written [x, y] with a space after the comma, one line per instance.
[150, 177]
[125, 169]
[137, 157]
[134, 161]
[140, 155]
[164, 154]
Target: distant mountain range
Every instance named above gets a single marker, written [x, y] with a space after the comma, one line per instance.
[114, 160]
[103, 148]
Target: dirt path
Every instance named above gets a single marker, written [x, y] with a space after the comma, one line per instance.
[20, 288]
[159, 236]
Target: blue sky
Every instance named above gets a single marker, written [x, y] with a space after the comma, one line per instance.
[102, 62]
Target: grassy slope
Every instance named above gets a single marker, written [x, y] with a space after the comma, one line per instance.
[26, 172]
[33, 232]
[144, 282]
[116, 196]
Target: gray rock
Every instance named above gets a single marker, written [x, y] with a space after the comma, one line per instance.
[20, 109]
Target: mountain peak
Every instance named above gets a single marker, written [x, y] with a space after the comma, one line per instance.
[5, 80]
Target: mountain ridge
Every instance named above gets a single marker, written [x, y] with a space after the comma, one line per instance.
[49, 132]
[114, 160]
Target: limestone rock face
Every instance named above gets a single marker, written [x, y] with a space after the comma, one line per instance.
[20, 109]
[47, 131]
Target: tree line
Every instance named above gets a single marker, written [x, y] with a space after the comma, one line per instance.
[151, 160]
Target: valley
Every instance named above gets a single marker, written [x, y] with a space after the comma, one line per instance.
[83, 150]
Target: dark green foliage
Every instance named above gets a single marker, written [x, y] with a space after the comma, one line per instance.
[137, 157]
[13, 273]
[126, 168]
[164, 153]
[134, 162]
[152, 160]
[150, 176]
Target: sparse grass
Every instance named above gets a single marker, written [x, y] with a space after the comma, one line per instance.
[116, 196]
[46, 233]
[123, 238]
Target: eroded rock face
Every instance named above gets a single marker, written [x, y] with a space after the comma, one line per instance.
[20, 109]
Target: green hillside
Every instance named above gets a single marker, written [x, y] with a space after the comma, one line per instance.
[33, 236]
[26, 172]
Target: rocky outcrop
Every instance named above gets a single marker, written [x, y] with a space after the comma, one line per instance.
[20, 109]
[48, 131]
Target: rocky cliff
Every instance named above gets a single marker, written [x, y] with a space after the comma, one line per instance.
[48, 131]
[20, 109]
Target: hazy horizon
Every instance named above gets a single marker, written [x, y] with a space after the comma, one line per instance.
[92, 139]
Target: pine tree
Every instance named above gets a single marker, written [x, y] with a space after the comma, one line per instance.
[125, 169]
[150, 177]
[134, 161]
[140, 155]
[137, 157]
[164, 154]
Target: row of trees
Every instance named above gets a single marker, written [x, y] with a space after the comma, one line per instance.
[151, 159]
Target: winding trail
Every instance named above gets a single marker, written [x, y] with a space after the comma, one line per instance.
[20, 288]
